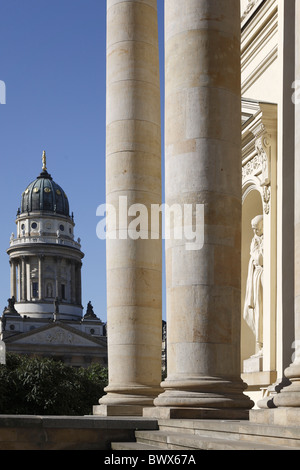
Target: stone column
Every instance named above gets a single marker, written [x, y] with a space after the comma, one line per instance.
[73, 282]
[23, 280]
[28, 288]
[133, 170]
[19, 276]
[203, 166]
[57, 278]
[79, 289]
[290, 395]
[13, 279]
[77, 275]
[40, 260]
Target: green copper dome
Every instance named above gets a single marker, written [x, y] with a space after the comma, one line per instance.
[44, 194]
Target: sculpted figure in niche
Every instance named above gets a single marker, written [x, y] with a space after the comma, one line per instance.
[253, 308]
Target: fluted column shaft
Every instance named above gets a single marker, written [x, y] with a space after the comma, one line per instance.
[203, 166]
[133, 173]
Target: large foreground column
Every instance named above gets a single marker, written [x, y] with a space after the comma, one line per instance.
[203, 166]
[133, 177]
[290, 396]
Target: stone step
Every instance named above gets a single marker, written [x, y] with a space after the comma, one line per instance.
[283, 436]
[132, 446]
[174, 440]
[216, 435]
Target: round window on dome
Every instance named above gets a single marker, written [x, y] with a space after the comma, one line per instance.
[34, 225]
[61, 228]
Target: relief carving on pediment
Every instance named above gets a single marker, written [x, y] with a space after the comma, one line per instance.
[56, 336]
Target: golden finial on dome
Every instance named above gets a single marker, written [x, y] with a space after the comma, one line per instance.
[44, 161]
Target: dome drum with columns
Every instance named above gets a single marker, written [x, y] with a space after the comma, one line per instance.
[45, 259]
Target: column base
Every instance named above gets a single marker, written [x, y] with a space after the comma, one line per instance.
[289, 397]
[126, 401]
[272, 391]
[204, 393]
[194, 413]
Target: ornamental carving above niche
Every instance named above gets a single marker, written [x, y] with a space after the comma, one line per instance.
[252, 167]
[260, 163]
[266, 198]
[250, 6]
[263, 149]
[260, 167]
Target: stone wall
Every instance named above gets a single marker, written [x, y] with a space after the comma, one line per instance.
[67, 433]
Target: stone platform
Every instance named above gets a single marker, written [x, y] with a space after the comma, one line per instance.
[68, 432]
[266, 430]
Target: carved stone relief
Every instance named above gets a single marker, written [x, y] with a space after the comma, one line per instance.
[260, 166]
[55, 336]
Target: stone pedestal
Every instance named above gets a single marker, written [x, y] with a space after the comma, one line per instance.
[203, 167]
[253, 364]
[133, 181]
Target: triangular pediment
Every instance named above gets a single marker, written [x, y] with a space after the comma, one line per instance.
[57, 334]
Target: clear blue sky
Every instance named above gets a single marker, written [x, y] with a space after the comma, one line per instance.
[52, 59]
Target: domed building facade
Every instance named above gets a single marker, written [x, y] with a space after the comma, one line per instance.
[45, 263]
[45, 254]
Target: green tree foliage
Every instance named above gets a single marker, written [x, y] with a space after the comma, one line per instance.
[42, 386]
